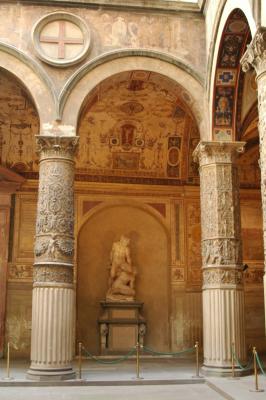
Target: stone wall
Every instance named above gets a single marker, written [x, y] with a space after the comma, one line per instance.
[180, 35]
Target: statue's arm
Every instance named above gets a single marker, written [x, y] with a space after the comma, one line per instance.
[128, 257]
[112, 255]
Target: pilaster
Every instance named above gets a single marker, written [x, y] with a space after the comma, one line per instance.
[9, 183]
[223, 294]
[53, 296]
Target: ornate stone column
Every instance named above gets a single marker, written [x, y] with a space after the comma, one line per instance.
[53, 295]
[255, 57]
[223, 293]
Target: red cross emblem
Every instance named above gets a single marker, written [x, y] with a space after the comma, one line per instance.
[61, 39]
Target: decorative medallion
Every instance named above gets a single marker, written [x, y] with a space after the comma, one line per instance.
[131, 107]
[61, 39]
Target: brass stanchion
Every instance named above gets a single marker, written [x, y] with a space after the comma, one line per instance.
[197, 361]
[233, 362]
[138, 361]
[256, 372]
[80, 360]
[8, 377]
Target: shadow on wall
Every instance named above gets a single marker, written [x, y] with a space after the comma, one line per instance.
[149, 252]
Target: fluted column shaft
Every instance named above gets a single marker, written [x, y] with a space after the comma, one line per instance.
[223, 294]
[53, 295]
[255, 57]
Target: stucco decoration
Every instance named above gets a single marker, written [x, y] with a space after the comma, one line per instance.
[255, 57]
[221, 252]
[53, 267]
[61, 39]
[55, 215]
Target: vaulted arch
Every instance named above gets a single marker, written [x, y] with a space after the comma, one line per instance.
[34, 78]
[88, 77]
[229, 79]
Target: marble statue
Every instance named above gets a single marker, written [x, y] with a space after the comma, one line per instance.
[122, 273]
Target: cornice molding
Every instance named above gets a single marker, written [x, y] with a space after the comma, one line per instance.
[158, 5]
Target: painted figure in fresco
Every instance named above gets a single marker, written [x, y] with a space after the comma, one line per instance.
[119, 32]
[127, 135]
[122, 273]
[223, 112]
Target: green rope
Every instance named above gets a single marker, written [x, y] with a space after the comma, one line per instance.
[148, 350]
[243, 368]
[116, 361]
[260, 364]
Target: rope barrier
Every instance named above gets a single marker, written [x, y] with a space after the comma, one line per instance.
[243, 368]
[135, 349]
[260, 364]
[116, 361]
[255, 360]
[149, 350]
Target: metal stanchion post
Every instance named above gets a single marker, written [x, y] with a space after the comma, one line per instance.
[197, 361]
[80, 360]
[233, 362]
[138, 361]
[256, 372]
[8, 363]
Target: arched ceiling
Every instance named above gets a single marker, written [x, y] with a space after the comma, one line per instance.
[19, 123]
[229, 78]
[137, 127]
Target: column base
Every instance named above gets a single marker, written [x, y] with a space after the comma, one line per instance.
[224, 371]
[53, 375]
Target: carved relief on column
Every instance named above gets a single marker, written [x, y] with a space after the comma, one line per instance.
[53, 296]
[223, 295]
[55, 213]
[255, 57]
[220, 213]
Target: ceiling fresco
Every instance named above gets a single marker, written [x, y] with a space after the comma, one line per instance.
[135, 127]
[19, 124]
[138, 125]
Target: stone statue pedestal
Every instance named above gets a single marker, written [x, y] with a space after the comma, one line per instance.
[121, 326]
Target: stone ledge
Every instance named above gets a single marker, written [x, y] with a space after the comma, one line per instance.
[160, 5]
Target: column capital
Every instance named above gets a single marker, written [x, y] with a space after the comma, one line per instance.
[217, 152]
[56, 146]
[255, 55]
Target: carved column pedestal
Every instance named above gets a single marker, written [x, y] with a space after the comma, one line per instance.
[223, 294]
[53, 294]
[255, 57]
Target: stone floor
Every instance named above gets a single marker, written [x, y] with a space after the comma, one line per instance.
[165, 392]
[163, 379]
